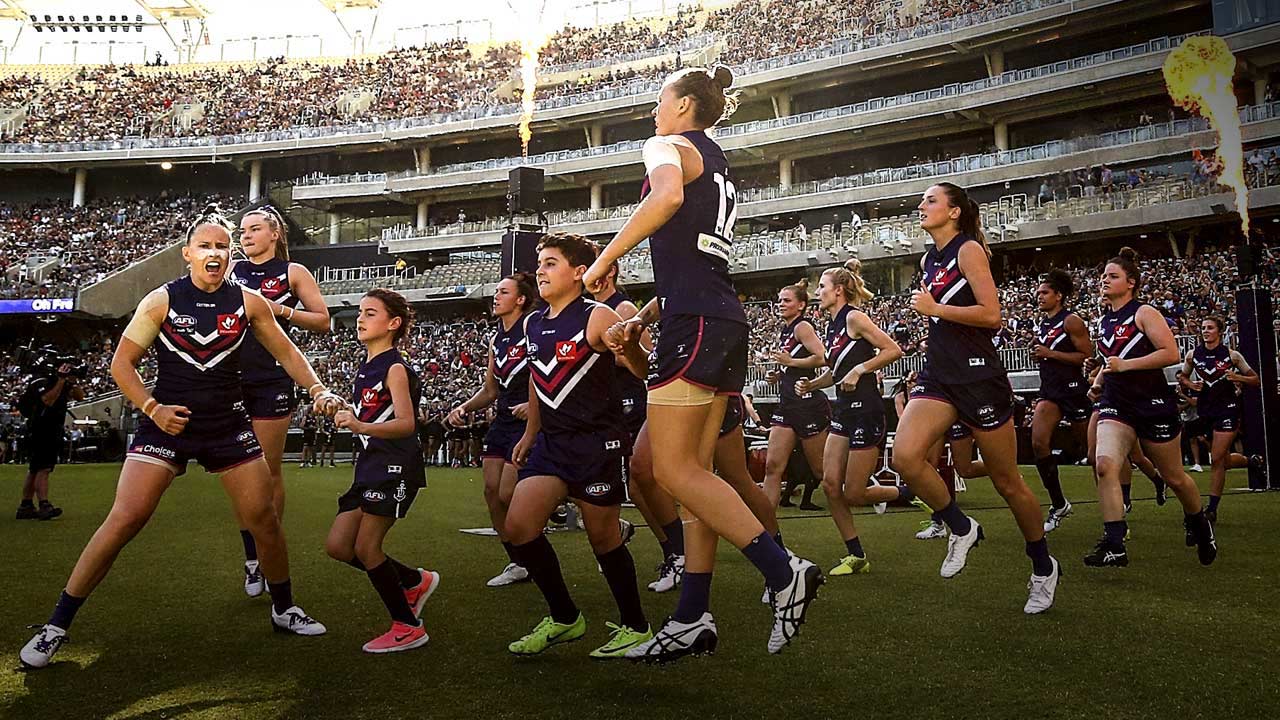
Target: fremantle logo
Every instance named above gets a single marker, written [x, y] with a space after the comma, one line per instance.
[401, 492]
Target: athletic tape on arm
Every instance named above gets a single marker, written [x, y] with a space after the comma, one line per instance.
[142, 329]
[660, 150]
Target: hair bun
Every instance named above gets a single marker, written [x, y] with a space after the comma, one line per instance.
[1128, 253]
[723, 77]
[853, 265]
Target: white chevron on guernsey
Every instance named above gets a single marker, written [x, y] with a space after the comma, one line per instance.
[204, 339]
[554, 402]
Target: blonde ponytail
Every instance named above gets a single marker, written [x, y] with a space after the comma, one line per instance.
[849, 280]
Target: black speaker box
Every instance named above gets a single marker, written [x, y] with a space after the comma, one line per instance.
[524, 189]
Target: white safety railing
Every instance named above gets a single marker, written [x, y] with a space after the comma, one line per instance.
[1154, 46]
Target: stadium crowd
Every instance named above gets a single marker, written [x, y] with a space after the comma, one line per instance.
[88, 242]
[116, 101]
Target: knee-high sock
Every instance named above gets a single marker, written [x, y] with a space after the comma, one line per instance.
[539, 558]
[1048, 469]
[619, 571]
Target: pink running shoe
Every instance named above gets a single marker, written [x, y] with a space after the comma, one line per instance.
[417, 596]
[399, 637]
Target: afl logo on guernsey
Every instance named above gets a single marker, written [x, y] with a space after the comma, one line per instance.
[228, 324]
[182, 322]
[566, 350]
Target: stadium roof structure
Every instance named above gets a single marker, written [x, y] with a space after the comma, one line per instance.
[166, 10]
[12, 10]
[335, 6]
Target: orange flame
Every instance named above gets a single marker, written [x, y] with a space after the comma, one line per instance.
[1198, 74]
[532, 40]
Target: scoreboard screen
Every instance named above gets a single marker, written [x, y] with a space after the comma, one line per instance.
[28, 306]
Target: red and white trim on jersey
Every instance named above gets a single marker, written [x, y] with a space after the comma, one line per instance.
[1126, 332]
[1055, 335]
[554, 380]
[376, 400]
[945, 283]
[508, 365]
[204, 350]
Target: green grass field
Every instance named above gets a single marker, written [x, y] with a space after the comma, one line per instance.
[170, 633]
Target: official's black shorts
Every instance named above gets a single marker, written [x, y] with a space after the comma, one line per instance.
[864, 427]
[502, 437]
[981, 405]
[807, 417]
[270, 401]
[44, 454]
[709, 352]
[1158, 428]
[308, 436]
[218, 451]
[1075, 407]
[592, 466]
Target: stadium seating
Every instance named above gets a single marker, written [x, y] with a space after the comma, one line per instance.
[69, 103]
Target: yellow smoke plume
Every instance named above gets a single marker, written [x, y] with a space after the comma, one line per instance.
[1198, 74]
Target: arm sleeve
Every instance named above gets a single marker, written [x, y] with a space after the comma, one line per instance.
[660, 150]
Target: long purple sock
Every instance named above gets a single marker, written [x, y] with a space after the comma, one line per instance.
[770, 559]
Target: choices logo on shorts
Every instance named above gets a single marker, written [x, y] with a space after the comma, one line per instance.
[158, 451]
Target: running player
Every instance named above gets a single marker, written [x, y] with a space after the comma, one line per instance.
[963, 379]
[1137, 406]
[856, 348]
[1218, 369]
[506, 382]
[802, 417]
[294, 298]
[574, 446]
[388, 475]
[664, 521]
[688, 212]
[1062, 345]
[196, 412]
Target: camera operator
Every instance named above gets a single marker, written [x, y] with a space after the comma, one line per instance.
[44, 404]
